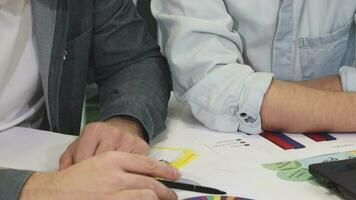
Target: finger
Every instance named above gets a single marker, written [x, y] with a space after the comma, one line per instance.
[146, 166]
[134, 181]
[121, 141]
[87, 144]
[85, 149]
[128, 143]
[105, 146]
[66, 159]
[136, 194]
[141, 147]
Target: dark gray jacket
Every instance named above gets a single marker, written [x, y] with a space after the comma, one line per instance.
[107, 36]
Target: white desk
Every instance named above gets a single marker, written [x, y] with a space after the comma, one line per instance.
[23, 148]
[238, 171]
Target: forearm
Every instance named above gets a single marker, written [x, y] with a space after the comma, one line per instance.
[141, 91]
[329, 83]
[133, 77]
[291, 107]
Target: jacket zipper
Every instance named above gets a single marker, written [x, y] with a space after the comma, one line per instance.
[56, 66]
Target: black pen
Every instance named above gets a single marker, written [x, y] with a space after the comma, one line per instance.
[190, 187]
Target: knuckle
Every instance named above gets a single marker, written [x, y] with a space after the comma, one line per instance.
[148, 194]
[72, 145]
[111, 158]
[79, 156]
[111, 179]
[117, 134]
[70, 149]
[64, 158]
[110, 155]
[144, 146]
[107, 131]
[76, 158]
[127, 141]
[151, 165]
[91, 127]
[117, 179]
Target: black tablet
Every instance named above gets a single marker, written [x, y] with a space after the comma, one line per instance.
[337, 175]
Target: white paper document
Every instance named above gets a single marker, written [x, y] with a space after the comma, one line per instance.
[24, 148]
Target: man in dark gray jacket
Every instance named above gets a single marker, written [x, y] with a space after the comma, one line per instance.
[47, 48]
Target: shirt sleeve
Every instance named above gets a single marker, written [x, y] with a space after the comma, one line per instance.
[11, 183]
[348, 73]
[348, 78]
[205, 55]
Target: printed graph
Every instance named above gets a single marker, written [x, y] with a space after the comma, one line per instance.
[282, 140]
[287, 143]
[320, 137]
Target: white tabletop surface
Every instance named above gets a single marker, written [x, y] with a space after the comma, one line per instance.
[238, 171]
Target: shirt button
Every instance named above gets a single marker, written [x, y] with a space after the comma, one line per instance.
[301, 42]
[243, 116]
[234, 109]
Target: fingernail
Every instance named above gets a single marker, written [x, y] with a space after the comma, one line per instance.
[178, 173]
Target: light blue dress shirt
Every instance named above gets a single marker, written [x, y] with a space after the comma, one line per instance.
[224, 53]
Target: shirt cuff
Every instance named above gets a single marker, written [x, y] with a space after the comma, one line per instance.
[256, 86]
[348, 78]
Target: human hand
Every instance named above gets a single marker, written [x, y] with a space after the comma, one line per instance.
[115, 134]
[110, 176]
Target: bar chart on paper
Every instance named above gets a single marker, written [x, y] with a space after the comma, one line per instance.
[285, 142]
[282, 140]
[320, 137]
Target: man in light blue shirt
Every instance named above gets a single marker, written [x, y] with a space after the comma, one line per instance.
[260, 65]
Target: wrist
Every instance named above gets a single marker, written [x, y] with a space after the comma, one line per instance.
[128, 124]
[40, 186]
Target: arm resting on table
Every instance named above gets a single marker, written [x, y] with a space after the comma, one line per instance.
[291, 107]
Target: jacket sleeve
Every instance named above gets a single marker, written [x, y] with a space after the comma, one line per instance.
[11, 183]
[133, 77]
[205, 55]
